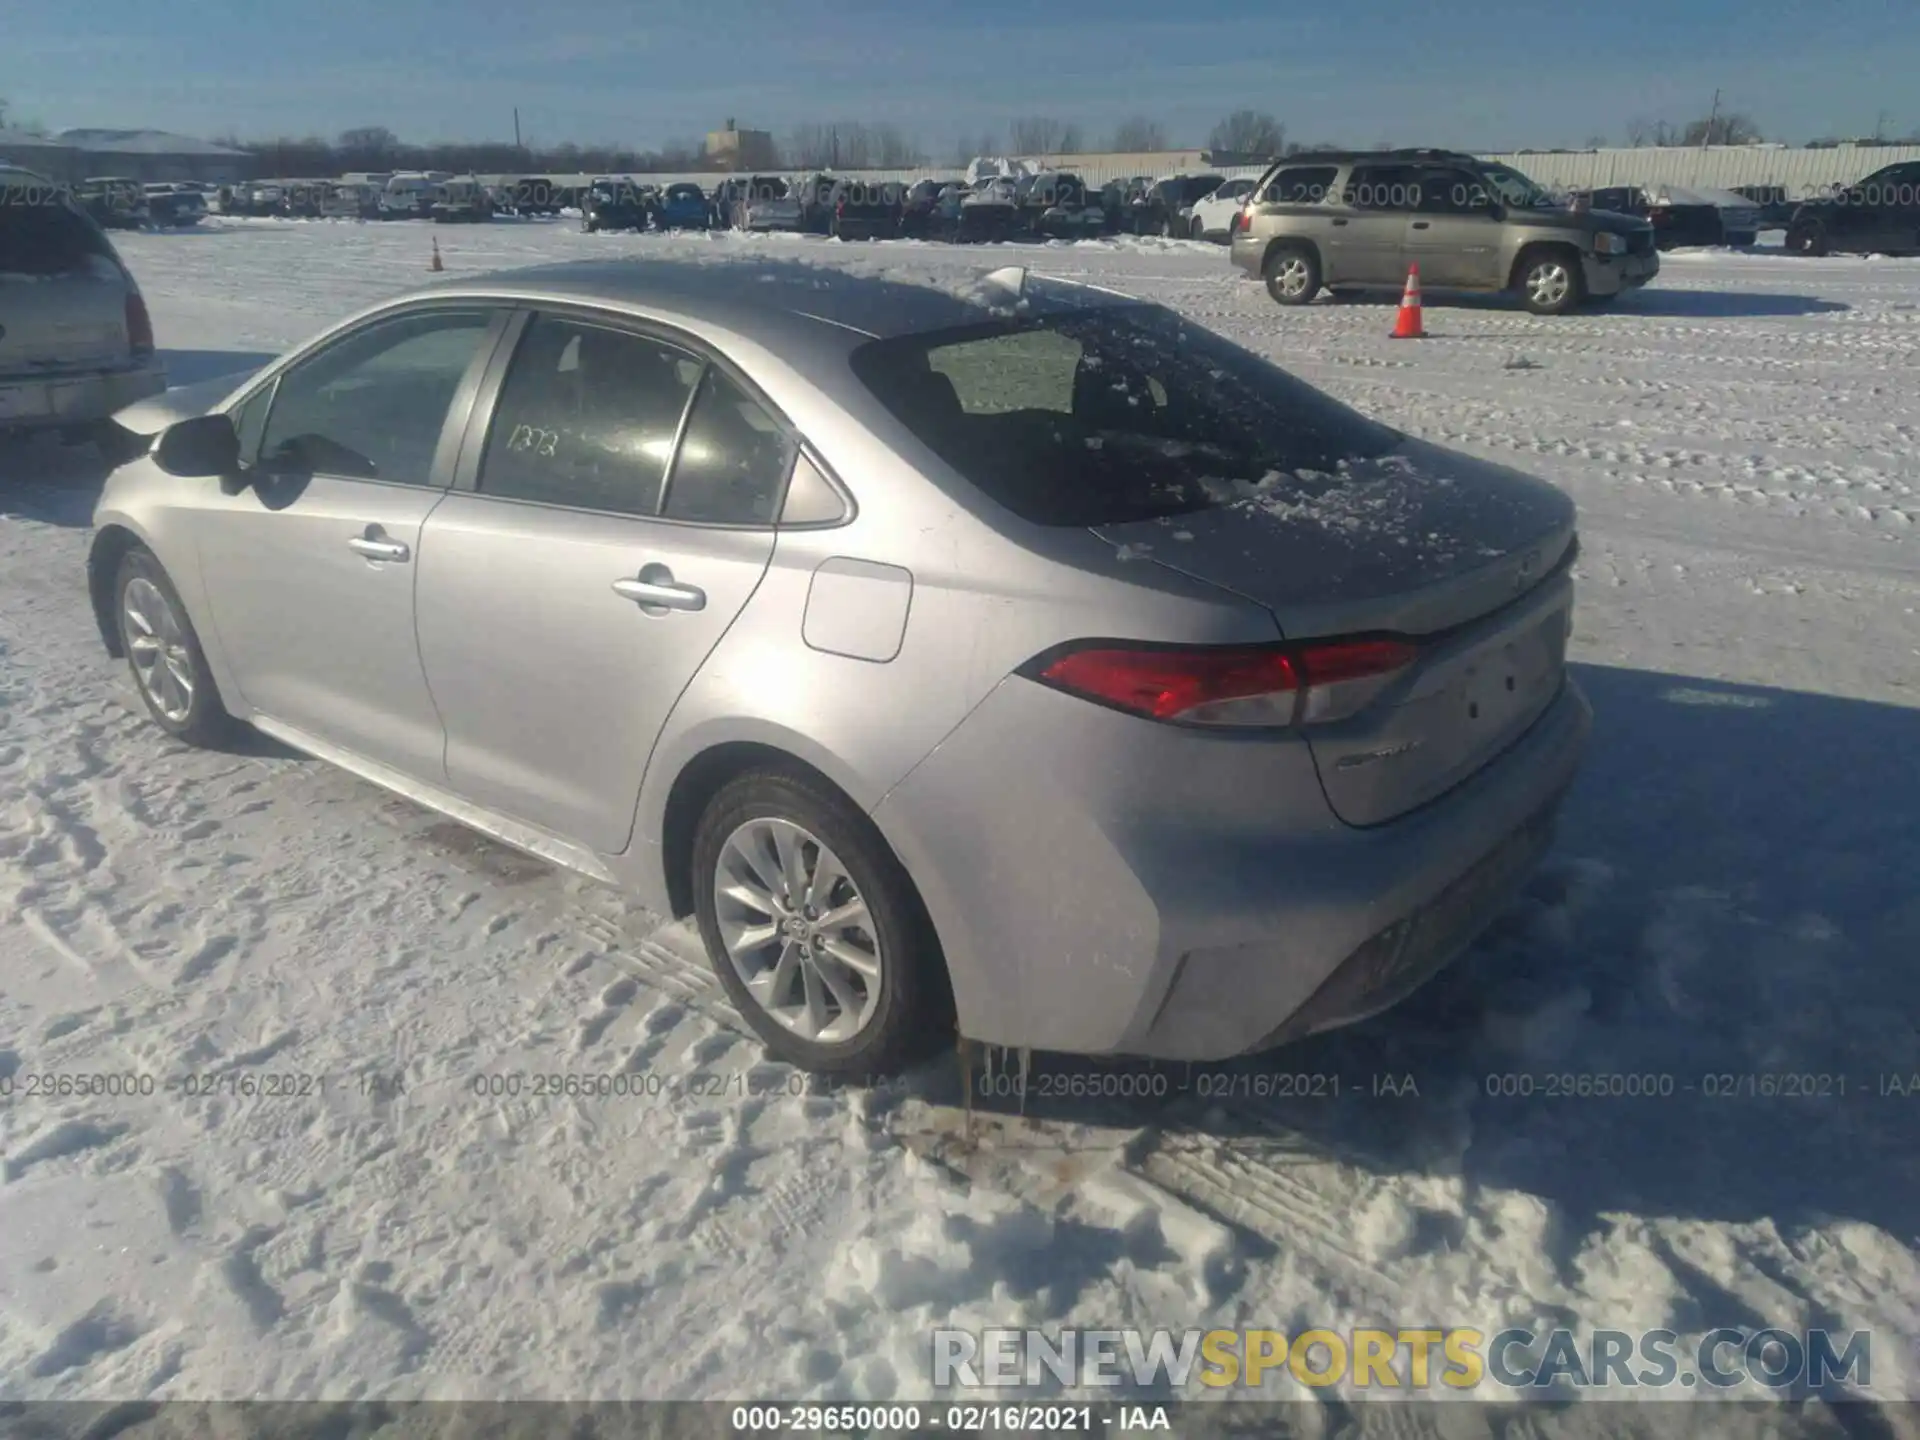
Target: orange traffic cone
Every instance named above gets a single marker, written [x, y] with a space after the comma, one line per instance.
[1407, 325]
[437, 265]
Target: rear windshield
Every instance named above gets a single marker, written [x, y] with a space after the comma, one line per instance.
[41, 235]
[1107, 415]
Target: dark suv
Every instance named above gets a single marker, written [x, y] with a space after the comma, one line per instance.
[1878, 215]
[1357, 221]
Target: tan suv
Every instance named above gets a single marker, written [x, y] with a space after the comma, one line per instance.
[1358, 221]
[76, 343]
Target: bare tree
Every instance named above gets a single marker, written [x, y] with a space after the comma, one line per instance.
[1733, 128]
[3, 110]
[1248, 132]
[1138, 133]
[1664, 134]
[369, 147]
[1038, 135]
[893, 149]
[1637, 131]
[809, 146]
[1596, 142]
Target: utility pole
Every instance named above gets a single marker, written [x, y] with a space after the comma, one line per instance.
[1713, 121]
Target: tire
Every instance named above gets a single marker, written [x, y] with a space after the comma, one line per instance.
[1552, 282]
[907, 1005]
[1199, 228]
[142, 588]
[1292, 273]
[1808, 238]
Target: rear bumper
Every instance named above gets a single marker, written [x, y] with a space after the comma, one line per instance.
[76, 399]
[1080, 912]
[1247, 253]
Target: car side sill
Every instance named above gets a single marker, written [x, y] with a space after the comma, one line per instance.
[528, 839]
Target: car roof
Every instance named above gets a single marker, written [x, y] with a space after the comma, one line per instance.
[762, 299]
[1347, 157]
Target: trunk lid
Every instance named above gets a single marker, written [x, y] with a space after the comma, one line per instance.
[63, 295]
[1467, 557]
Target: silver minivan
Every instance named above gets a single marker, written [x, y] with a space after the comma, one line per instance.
[76, 343]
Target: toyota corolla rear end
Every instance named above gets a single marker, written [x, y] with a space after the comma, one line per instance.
[1197, 850]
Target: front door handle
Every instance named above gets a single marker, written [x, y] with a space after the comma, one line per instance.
[1339, 222]
[1421, 224]
[374, 547]
[655, 591]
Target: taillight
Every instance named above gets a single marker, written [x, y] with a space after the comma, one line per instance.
[1661, 217]
[840, 209]
[1253, 685]
[139, 324]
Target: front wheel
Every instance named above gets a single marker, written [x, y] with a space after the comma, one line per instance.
[1808, 238]
[814, 929]
[1199, 228]
[1293, 275]
[1552, 283]
[169, 668]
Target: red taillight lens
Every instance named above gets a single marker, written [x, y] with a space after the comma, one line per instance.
[1233, 685]
[139, 324]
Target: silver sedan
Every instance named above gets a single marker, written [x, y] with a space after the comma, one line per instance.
[1020, 659]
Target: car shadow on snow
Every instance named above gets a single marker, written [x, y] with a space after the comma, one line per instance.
[1704, 1005]
[42, 478]
[1654, 303]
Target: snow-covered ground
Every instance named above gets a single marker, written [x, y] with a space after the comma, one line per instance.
[1734, 894]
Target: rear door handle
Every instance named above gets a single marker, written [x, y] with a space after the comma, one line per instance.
[1421, 224]
[655, 590]
[375, 548]
[1339, 222]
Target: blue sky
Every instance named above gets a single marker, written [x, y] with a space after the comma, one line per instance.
[1472, 73]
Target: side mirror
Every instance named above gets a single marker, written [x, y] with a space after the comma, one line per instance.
[206, 445]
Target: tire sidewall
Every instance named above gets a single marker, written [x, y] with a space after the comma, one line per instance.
[206, 716]
[910, 993]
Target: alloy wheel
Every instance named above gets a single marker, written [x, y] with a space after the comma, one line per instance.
[1290, 275]
[157, 647]
[797, 931]
[1548, 283]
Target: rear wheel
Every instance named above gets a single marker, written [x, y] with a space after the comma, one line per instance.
[1552, 282]
[1293, 275]
[169, 667]
[814, 929]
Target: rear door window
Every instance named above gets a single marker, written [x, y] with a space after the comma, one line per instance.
[732, 461]
[1383, 187]
[587, 417]
[1118, 413]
